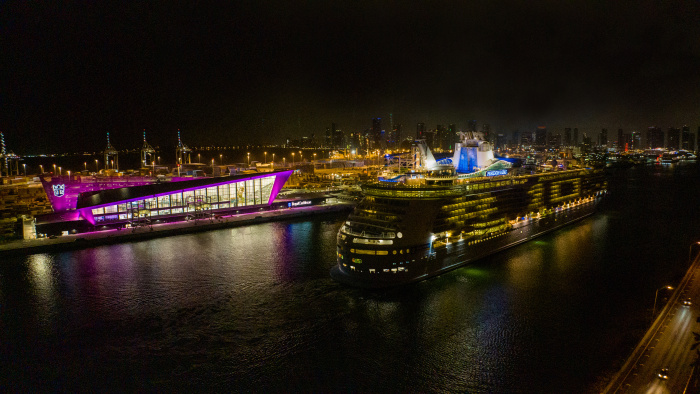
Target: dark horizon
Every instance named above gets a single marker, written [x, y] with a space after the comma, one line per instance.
[260, 73]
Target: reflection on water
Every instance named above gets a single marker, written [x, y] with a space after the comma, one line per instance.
[254, 309]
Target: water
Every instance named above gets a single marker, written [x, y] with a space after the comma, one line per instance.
[253, 309]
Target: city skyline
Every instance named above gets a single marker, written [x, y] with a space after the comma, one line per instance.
[264, 72]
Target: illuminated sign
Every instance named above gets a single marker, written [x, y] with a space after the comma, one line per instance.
[298, 203]
[59, 190]
[496, 172]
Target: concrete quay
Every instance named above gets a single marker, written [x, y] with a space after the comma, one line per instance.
[113, 236]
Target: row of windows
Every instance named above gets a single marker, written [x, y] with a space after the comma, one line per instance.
[486, 185]
[378, 252]
[230, 195]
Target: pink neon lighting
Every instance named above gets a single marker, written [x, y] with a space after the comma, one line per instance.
[280, 180]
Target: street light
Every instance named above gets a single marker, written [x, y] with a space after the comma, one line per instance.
[691, 249]
[25, 168]
[248, 159]
[96, 168]
[85, 165]
[60, 173]
[199, 157]
[653, 311]
[265, 157]
[221, 158]
[41, 167]
[273, 160]
[292, 159]
[54, 168]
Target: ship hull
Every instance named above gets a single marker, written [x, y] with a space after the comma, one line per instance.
[426, 261]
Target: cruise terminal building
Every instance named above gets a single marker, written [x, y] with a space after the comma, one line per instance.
[158, 201]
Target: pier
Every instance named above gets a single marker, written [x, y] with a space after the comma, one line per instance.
[96, 238]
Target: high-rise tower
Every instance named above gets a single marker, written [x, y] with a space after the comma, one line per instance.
[377, 132]
[655, 138]
[674, 138]
[420, 131]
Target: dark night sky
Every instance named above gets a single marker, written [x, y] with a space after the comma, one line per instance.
[70, 72]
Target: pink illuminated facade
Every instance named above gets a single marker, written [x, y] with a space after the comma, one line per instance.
[63, 192]
[115, 202]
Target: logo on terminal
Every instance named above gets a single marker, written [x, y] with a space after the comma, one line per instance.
[59, 190]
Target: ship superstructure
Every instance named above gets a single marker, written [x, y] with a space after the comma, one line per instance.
[441, 214]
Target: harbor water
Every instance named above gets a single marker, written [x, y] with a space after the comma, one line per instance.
[253, 309]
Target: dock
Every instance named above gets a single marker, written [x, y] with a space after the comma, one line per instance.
[113, 236]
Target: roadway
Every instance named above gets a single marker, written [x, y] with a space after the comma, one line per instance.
[666, 345]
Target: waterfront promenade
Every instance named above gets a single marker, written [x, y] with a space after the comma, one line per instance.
[666, 345]
[86, 240]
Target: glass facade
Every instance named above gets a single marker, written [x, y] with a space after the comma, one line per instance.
[243, 193]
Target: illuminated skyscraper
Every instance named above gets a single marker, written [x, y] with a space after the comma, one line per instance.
[395, 137]
[554, 140]
[451, 135]
[636, 140]
[687, 139]
[624, 141]
[603, 138]
[540, 136]
[420, 131]
[338, 136]
[673, 139]
[377, 133]
[567, 136]
[328, 141]
[486, 129]
[586, 143]
[655, 138]
[440, 140]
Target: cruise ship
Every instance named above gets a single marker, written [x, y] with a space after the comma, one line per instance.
[429, 217]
